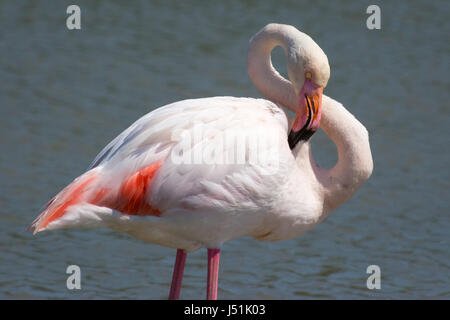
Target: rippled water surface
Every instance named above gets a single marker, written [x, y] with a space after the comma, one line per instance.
[65, 94]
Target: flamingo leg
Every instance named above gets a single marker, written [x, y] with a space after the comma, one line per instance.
[177, 276]
[213, 274]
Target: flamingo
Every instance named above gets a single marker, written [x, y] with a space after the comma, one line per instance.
[137, 184]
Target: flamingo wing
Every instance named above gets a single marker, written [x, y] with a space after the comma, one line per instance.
[141, 172]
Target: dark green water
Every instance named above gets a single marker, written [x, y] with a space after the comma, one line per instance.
[65, 94]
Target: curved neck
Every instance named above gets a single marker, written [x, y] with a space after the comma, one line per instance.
[260, 69]
[355, 162]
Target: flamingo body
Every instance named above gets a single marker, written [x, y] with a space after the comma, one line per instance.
[134, 186]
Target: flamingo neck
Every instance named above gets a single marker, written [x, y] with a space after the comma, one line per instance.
[335, 185]
[355, 162]
[261, 71]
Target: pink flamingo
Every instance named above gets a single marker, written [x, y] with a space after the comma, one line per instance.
[138, 184]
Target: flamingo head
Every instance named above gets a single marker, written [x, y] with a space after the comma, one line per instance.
[308, 71]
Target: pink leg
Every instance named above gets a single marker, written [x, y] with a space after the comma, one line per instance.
[177, 275]
[213, 273]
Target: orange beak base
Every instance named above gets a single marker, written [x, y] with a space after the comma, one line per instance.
[308, 115]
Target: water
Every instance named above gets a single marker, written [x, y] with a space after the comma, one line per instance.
[65, 94]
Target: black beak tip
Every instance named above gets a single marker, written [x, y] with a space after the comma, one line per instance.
[302, 135]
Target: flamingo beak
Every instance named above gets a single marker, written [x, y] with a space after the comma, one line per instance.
[308, 114]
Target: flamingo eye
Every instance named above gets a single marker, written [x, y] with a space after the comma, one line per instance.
[308, 75]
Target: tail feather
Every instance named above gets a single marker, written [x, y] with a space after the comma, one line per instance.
[129, 197]
[56, 207]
